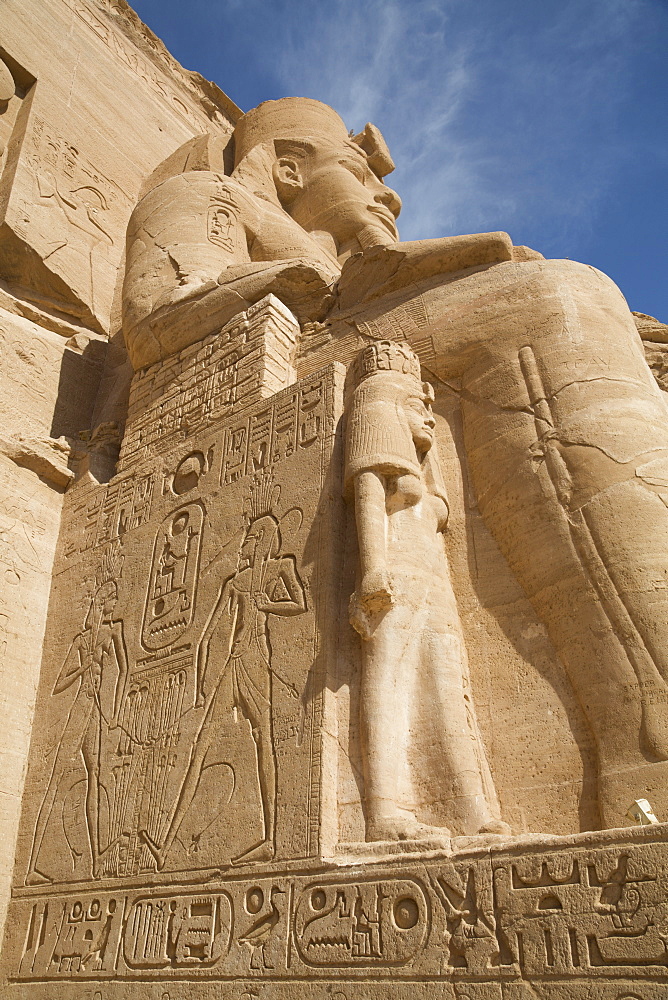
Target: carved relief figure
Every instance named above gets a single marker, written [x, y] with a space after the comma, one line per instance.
[234, 662]
[96, 661]
[415, 687]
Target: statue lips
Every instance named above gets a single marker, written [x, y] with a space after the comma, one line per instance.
[386, 217]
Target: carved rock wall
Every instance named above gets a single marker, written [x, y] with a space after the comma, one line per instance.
[194, 815]
[79, 133]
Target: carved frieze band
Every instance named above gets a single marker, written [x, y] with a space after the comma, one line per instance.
[592, 912]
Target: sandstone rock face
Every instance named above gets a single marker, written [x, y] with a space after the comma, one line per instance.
[79, 134]
[336, 565]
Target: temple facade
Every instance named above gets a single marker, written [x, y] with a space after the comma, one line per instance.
[333, 613]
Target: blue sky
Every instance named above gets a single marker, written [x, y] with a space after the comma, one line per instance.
[545, 118]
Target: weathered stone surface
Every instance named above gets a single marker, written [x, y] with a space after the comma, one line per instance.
[353, 680]
[78, 136]
[81, 133]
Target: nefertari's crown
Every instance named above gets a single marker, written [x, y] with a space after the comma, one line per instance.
[110, 565]
[386, 356]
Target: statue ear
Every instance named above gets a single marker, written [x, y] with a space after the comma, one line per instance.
[288, 177]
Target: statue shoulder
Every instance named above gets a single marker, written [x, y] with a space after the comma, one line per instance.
[183, 233]
[193, 197]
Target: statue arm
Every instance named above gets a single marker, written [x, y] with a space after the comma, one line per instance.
[374, 594]
[385, 269]
[184, 280]
[302, 286]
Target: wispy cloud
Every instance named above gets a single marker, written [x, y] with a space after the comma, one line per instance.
[542, 117]
[501, 121]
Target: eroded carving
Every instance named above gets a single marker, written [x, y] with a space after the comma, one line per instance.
[234, 669]
[566, 913]
[172, 589]
[73, 937]
[466, 896]
[177, 931]
[98, 651]
[260, 935]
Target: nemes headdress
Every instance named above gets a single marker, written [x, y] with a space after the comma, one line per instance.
[378, 436]
[303, 119]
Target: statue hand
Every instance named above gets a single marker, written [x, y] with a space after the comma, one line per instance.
[375, 591]
[370, 602]
[305, 288]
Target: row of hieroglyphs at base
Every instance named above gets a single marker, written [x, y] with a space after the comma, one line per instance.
[584, 912]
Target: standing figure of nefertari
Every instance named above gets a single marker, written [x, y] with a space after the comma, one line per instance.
[418, 721]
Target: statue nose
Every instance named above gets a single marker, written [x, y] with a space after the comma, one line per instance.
[390, 199]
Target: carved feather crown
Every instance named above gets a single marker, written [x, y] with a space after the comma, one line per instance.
[264, 495]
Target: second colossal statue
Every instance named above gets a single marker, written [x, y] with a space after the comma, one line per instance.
[566, 432]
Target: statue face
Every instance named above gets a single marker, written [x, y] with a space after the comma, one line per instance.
[248, 546]
[258, 531]
[106, 599]
[421, 423]
[341, 195]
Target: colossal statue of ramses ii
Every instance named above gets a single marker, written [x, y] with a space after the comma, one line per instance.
[566, 432]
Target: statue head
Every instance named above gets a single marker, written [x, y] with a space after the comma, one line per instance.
[390, 422]
[301, 155]
[102, 604]
[261, 541]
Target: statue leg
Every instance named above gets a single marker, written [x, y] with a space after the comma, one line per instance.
[266, 765]
[392, 659]
[221, 702]
[255, 695]
[70, 743]
[90, 751]
[558, 435]
[471, 794]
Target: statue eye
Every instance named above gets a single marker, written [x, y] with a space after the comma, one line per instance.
[356, 168]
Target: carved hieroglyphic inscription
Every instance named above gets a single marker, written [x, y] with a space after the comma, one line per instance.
[172, 588]
[565, 913]
[361, 924]
[177, 931]
[70, 937]
[182, 727]
[532, 916]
